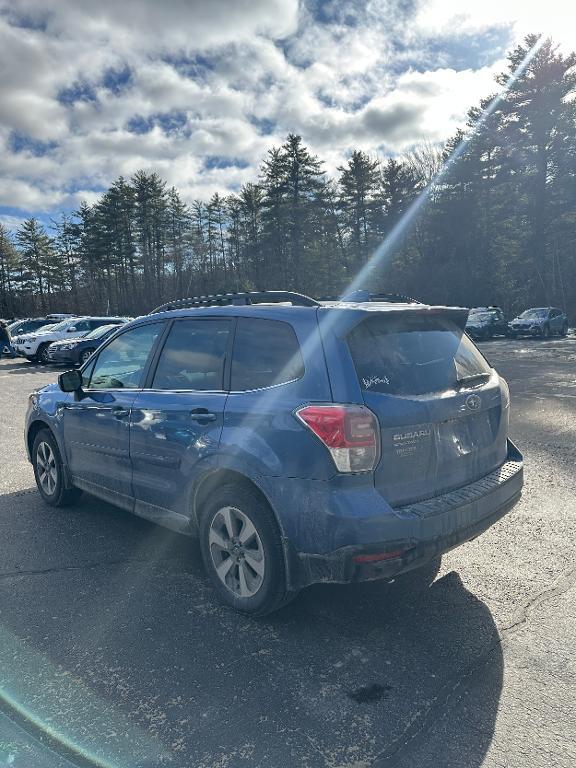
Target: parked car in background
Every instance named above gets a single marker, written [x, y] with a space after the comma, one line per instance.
[30, 325]
[77, 351]
[485, 322]
[302, 442]
[541, 322]
[34, 346]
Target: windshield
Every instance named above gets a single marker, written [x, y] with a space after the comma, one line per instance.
[413, 355]
[479, 316]
[533, 314]
[102, 330]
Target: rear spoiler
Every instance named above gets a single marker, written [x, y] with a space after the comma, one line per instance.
[356, 314]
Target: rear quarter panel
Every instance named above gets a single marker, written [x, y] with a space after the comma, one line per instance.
[262, 436]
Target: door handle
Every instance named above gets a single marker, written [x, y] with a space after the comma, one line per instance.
[202, 414]
[120, 413]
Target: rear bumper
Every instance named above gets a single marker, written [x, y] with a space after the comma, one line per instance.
[420, 531]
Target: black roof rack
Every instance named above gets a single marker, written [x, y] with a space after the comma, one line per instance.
[361, 295]
[239, 299]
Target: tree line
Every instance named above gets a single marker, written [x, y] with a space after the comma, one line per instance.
[495, 221]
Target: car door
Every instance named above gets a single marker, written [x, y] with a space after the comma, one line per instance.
[555, 320]
[97, 421]
[501, 325]
[177, 418]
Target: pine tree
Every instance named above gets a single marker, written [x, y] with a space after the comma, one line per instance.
[359, 181]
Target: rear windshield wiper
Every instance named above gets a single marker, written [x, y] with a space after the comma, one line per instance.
[475, 378]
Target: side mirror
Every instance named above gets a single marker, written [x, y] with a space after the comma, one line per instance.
[72, 330]
[70, 381]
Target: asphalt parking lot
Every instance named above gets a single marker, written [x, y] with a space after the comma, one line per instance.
[114, 652]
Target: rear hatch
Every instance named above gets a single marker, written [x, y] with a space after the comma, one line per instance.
[443, 411]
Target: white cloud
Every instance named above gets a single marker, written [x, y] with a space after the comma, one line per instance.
[555, 18]
[363, 76]
[11, 223]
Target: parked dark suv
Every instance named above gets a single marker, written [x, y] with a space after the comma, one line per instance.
[303, 442]
[77, 351]
[486, 322]
[541, 322]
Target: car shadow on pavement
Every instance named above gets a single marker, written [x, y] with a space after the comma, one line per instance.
[355, 675]
[21, 366]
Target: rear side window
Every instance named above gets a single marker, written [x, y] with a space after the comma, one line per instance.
[412, 355]
[193, 356]
[266, 353]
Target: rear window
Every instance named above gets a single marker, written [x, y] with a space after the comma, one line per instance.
[412, 355]
[266, 353]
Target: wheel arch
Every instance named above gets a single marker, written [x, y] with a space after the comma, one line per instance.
[37, 426]
[217, 478]
[33, 429]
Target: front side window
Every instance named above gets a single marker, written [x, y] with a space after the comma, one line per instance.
[266, 353]
[413, 355]
[121, 364]
[81, 326]
[193, 356]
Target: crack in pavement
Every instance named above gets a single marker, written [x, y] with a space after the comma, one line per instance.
[84, 566]
[398, 749]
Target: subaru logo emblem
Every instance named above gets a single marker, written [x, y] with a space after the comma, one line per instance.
[473, 402]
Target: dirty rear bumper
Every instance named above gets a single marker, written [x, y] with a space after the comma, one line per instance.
[430, 528]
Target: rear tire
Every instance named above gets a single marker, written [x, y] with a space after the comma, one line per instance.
[49, 472]
[564, 331]
[546, 332]
[242, 551]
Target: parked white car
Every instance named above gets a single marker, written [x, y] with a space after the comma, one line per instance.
[34, 346]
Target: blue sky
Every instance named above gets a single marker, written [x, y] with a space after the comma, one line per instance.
[198, 90]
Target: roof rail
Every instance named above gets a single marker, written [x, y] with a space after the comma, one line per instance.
[361, 295]
[238, 299]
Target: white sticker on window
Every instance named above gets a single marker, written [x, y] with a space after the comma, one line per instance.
[373, 380]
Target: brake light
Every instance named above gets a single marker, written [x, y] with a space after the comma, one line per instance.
[377, 557]
[350, 432]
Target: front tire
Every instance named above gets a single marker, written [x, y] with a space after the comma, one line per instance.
[85, 354]
[49, 472]
[242, 551]
[42, 354]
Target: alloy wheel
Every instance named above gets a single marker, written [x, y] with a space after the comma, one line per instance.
[46, 468]
[237, 552]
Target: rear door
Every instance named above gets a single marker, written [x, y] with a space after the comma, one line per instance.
[177, 418]
[441, 412]
[556, 320]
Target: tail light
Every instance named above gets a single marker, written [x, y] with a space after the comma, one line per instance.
[350, 432]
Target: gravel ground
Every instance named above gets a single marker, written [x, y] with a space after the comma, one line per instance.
[114, 652]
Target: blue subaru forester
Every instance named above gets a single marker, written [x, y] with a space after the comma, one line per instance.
[302, 441]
